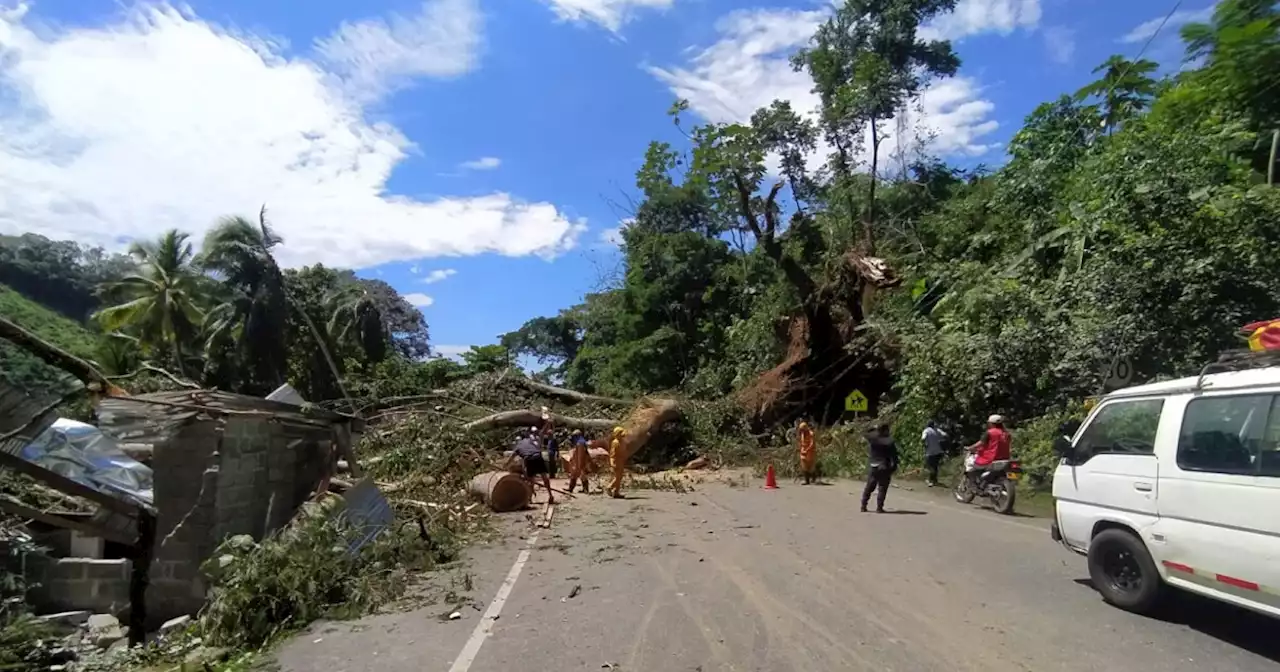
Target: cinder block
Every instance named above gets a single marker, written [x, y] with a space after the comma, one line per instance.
[111, 570]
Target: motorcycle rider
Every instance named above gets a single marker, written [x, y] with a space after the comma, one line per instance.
[992, 447]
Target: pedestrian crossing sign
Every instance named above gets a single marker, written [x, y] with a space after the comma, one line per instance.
[856, 402]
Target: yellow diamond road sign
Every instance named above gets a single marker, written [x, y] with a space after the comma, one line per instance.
[856, 402]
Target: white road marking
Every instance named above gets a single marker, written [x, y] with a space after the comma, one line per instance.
[485, 627]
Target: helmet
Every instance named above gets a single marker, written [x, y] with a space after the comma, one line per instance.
[996, 419]
[577, 432]
[533, 430]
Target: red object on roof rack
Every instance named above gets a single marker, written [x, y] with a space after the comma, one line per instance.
[1264, 335]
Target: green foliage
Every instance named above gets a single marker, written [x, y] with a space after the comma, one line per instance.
[262, 590]
[487, 358]
[23, 370]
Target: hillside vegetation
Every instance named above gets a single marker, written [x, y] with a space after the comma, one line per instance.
[23, 370]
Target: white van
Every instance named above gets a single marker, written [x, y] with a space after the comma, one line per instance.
[1177, 483]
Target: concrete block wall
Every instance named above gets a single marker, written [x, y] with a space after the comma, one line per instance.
[72, 584]
[186, 491]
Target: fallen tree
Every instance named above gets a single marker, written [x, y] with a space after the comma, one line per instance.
[527, 418]
[570, 395]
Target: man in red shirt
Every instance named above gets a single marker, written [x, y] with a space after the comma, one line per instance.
[994, 445]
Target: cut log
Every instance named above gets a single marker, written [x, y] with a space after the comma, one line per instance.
[501, 491]
[645, 421]
[524, 418]
[570, 395]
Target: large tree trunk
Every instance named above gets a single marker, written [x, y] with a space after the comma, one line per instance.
[523, 418]
[570, 395]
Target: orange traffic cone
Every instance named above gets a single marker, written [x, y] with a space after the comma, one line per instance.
[770, 480]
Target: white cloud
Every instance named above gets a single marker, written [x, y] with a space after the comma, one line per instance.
[1060, 43]
[749, 69]
[375, 56]
[482, 163]
[1147, 29]
[613, 237]
[415, 269]
[610, 14]
[438, 275]
[419, 300]
[976, 17]
[160, 120]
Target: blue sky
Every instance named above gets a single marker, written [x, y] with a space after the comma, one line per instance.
[475, 154]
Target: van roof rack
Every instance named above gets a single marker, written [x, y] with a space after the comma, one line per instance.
[1239, 360]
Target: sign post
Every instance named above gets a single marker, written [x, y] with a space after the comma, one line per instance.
[856, 402]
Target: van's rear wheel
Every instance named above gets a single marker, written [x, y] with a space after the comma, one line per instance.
[1123, 571]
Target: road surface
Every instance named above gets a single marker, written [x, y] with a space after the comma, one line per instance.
[740, 578]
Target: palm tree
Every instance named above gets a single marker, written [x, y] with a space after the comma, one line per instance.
[238, 252]
[1125, 89]
[355, 319]
[160, 304]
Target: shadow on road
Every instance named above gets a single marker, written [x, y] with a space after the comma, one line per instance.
[1233, 625]
[905, 512]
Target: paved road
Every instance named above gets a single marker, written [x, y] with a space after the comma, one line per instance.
[730, 578]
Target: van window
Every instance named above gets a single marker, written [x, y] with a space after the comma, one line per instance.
[1231, 435]
[1122, 427]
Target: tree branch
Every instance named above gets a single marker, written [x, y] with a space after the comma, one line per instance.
[55, 356]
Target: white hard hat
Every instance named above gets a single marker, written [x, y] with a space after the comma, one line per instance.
[996, 419]
[533, 429]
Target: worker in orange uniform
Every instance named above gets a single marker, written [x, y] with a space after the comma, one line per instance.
[617, 461]
[579, 460]
[808, 453]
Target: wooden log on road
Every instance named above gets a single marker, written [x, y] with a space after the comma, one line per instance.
[501, 491]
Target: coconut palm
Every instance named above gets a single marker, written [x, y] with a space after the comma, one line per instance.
[238, 252]
[356, 320]
[161, 302]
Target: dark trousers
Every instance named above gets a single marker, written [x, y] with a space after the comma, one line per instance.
[931, 463]
[877, 479]
[553, 463]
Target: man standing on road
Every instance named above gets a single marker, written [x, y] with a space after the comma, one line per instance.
[617, 461]
[579, 460]
[528, 450]
[933, 438]
[882, 455]
[808, 452]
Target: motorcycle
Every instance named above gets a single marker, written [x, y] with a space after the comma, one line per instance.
[996, 483]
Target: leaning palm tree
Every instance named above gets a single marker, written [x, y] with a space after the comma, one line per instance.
[160, 303]
[238, 252]
[356, 320]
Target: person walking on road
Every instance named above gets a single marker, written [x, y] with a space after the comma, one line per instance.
[579, 460]
[535, 465]
[933, 438]
[882, 461]
[808, 452]
[617, 461]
